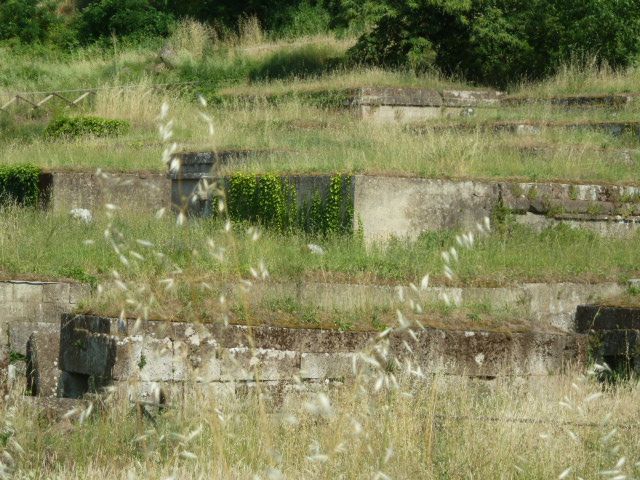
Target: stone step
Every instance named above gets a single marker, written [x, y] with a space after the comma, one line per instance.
[531, 127]
[616, 100]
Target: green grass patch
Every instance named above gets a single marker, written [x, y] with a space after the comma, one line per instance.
[41, 243]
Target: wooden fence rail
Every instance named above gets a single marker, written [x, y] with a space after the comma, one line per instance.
[73, 98]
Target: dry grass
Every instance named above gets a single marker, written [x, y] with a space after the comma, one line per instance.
[435, 427]
[347, 79]
[575, 79]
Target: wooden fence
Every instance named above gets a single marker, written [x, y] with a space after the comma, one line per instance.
[71, 98]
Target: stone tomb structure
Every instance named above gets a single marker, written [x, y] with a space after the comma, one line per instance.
[394, 105]
[231, 360]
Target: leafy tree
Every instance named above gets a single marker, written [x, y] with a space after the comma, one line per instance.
[501, 41]
[100, 18]
[27, 20]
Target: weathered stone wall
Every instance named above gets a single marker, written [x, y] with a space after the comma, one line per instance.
[534, 127]
[145, 192]
[28, 306]
[29, 313]
[616, 100]
[101, 351]
[195, 167]
[384, 206]
[408, 206]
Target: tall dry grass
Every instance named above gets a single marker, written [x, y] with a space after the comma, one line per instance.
[433, 428]
[584, 78]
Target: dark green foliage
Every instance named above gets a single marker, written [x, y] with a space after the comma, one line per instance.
[305, 18]
[26, 20]
[271, 201]
[20, 184]
[265, 200]
[140, 18]
[339, 206]
[284, 17]
[501, 41]
[71, 127]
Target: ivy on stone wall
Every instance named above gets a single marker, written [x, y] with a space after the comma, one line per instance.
[271, 201]
[19, 184]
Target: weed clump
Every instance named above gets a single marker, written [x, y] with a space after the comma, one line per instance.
[73, 127]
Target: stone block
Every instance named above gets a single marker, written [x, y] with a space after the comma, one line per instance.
[468, 98]
[321, 366]
[78, 291]
[392, 96]
[148, 192]
[622, 343]
[18, 312]
[595, 317]
[6, 292]
[87, 345]
[156, 393]
[398, 114]
[51, 313]
[128, 358]
[156, 360]
[42, 370]
[259, 364]
[299, 340]
[57, 293]
[211, 392]
[199, 363]
[19, 333]
[73, 385]
[406, 207]
[28, 292]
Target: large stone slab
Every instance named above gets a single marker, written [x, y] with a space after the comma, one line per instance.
[148, 192]
[614, 335]
[597, 318]
[405, 207]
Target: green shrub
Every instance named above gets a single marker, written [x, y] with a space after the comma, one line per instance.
[502, 41]
[71, 127]
[20, 184]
